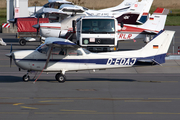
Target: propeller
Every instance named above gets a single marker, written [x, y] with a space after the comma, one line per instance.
[37, 26]
[35, 10]
[10, 55]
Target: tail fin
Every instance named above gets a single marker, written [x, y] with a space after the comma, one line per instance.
[158, 47]
[145, 12]
[156, 21]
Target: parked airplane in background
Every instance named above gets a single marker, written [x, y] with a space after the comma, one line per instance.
[125, 14]
[122, 12]
[61, 55]
[128, 12]
[136, 13]
[153, 25]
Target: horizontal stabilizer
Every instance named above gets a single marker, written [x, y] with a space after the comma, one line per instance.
[161, 11]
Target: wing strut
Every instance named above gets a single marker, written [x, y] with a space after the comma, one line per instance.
[47, 61]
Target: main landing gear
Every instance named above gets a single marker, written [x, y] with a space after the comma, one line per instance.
[60, 77]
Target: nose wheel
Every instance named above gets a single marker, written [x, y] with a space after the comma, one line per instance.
[26, 78]
[60, 77]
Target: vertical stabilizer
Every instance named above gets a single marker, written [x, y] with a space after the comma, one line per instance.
[144, 15]
[157, 48]
[157, 20]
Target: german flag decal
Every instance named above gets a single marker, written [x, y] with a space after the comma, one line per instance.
[151, 18]
[155, 46]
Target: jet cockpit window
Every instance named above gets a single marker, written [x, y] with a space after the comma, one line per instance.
[43, 49]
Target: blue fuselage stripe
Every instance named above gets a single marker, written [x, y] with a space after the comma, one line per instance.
[110, 61]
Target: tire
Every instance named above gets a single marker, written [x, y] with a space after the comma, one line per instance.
[60, 77]
[22, 42]
[26, 78]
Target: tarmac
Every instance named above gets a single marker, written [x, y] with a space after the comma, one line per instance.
[137, 93]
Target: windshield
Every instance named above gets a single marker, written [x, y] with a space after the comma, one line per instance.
[43, 49]
[97, 26]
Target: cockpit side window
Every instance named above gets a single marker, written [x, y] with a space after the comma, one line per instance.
[59, 51]
[74, 52]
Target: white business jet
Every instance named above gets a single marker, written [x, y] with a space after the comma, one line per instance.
[61, 55]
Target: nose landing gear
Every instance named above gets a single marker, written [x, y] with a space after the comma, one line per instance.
[26, 77]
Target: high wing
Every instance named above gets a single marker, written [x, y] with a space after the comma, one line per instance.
[59, 1]
[57, 42]
[53, 14]
[60, 42]
[71, 8]
[53, 10]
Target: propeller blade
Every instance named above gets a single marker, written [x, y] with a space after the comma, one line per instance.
[11, 49]
[10, 60]
[10, 55]
[37, 26]
[35, 10]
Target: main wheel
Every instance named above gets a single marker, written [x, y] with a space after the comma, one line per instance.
[22, 42]
[26, 78]
[60, 77]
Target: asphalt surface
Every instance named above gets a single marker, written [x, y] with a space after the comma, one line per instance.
[138, 93]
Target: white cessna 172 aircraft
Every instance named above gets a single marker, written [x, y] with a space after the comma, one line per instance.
[61, 55]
